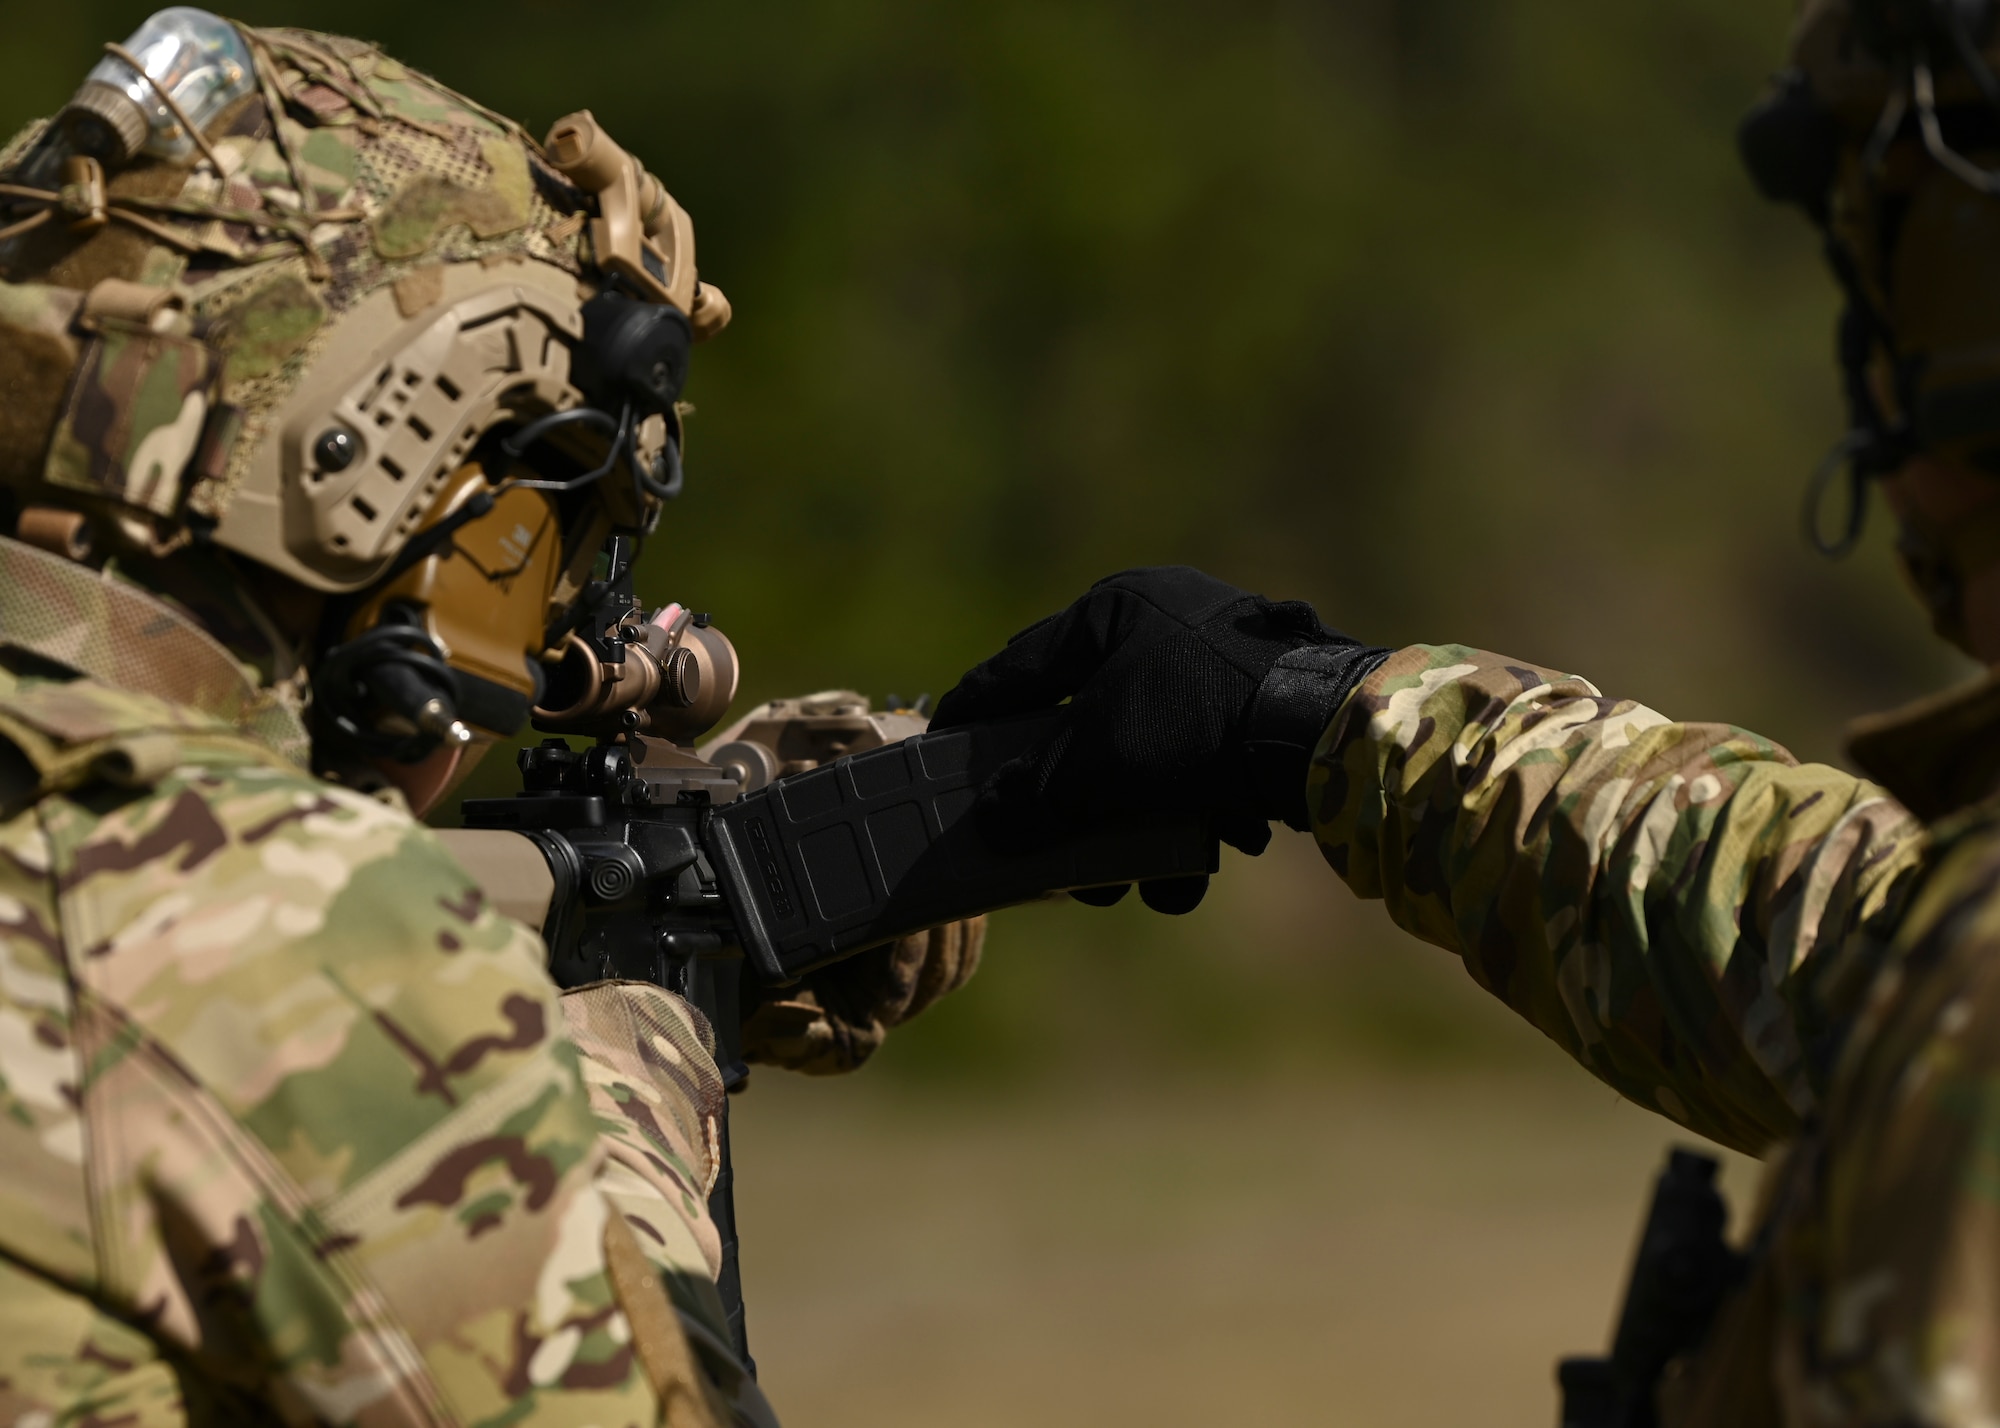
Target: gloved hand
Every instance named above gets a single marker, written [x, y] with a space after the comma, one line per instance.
[1184, 692]
[842, 1013]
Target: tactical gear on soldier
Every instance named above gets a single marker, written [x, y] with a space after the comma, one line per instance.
[1882, 131]
[1787, 959]
[1237, 691]
[321, 388]
[341, 346]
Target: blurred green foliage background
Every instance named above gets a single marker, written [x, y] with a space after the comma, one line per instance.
[1455, 317]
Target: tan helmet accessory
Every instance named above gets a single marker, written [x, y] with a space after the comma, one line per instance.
[639, 233]
[481, 595]
[378, 425]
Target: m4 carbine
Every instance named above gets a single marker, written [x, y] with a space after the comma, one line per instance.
[807, 832]
[1682, 1270]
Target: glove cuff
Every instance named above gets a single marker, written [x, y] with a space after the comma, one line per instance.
[1290, 711]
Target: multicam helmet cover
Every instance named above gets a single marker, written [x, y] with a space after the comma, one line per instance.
[274, 292]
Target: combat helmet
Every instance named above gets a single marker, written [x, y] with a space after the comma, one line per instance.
[1885, 130]
[273, 298]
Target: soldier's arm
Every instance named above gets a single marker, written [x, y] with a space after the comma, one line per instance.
[350, 1161]
[1683, 908]
[648, 1062]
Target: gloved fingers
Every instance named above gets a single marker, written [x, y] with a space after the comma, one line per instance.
[1010, 814]
[1247, 833]
[1023, 677]
[837, 1020]
[949, 956]
[1174, 896]
[776, 1033]
[801, 1035]
[1297, 617]
[1101, 897]
[871, 985]
[1057, 788]
[918, 959]
[1048, 662]
[1013, 812]
[1179, 591]
[967, 940]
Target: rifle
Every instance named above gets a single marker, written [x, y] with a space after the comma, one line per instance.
[1681, 1271]
[723, 873]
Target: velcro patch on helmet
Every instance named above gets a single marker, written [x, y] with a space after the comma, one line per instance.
[133, 418]
[38, 352]
[429, 204]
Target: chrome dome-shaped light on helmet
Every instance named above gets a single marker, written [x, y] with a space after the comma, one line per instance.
[192, 66]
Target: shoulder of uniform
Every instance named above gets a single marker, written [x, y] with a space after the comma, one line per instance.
[294, 943]
[70, 731]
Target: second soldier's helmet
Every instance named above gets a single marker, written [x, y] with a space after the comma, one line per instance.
[272, 295]
[1885, 130]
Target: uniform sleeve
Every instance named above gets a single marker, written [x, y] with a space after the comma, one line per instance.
[1683, 908]
[649, 1062]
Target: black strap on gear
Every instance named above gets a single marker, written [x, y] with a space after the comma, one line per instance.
[1289, 714]
[1872, 445]
[1682, 1271]
[395, 668]
[1791, 144]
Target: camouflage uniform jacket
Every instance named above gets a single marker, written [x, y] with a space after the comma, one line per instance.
[290, 1126]
[1782, 957]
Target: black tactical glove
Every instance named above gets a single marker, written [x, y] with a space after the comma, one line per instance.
[1184, 692]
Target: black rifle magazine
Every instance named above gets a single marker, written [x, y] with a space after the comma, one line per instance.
[824, 863]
